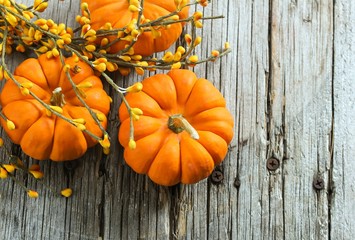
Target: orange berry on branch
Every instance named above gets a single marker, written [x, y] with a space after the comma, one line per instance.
[147, 43]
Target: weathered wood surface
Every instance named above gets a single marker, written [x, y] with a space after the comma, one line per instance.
[290, 84]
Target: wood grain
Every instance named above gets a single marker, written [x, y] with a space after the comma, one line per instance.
[342, 182]
[289, 82]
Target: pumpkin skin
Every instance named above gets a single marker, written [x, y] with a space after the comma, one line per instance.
[116, 12]
[50, 137]
[167, 157]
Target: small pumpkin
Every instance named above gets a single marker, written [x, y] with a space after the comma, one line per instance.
[117, 13]
[43, 135]
[184, 131]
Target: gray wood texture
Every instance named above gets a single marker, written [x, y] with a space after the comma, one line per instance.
[289, 82]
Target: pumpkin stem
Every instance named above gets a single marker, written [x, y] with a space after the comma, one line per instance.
[177, 123]
[57, 98]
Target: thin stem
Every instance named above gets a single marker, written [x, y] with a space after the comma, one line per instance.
[4, 40]
[110, 81]
[93, 115]
[177, 123]
[140, 13]
[212, 58]
[6, 70]
[21, 184]
[36, 27]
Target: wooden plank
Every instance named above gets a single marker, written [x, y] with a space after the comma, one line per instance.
[207, 210]
[300, 118]
[342, 183]
[247, 163]
[288, 102]
[52, 216]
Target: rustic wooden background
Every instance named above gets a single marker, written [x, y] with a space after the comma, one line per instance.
[290, 84]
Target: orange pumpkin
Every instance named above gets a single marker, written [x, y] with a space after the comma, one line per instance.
[43, 135]
[184, 131]
[116, 12]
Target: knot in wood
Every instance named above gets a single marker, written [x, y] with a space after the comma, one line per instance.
[236, 183]
[70, 165]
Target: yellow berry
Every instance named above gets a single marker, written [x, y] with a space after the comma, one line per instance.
[60, 43]
[125, 58]
[25, 91]
[132, 144]
[104, 42]
[90, 33]
[40, 5]
[107, 26]
[120, 34]
[188, 39]
[67, 192]
[133, 8]
[42, 49]
[100, 116]
[90, 48]
[177, 56]
[137, 87]
[226, 45]
[137, 111]
[181, 49]
[20, 48]
[80, 126]
[139, 70]
[84, 6]
[135, 33]
[174, 17]
[106, 151]
[136, 57]
[168, 57]
[84, 85]
[37, 174]
[193, 58]
[10, 124]
[57, 109]
[176, 65]
[101, 67]
[3, 173]
[111, 66]
[105, 142]
[9, 167]
[55, 52]
[197, 16]
[215, 53]
[198, 24]
[32, 194]
[11, 19]
[197, 41]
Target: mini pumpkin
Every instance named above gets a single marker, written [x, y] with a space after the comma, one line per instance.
[184, 131]
[43, 135]
[118, 14]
